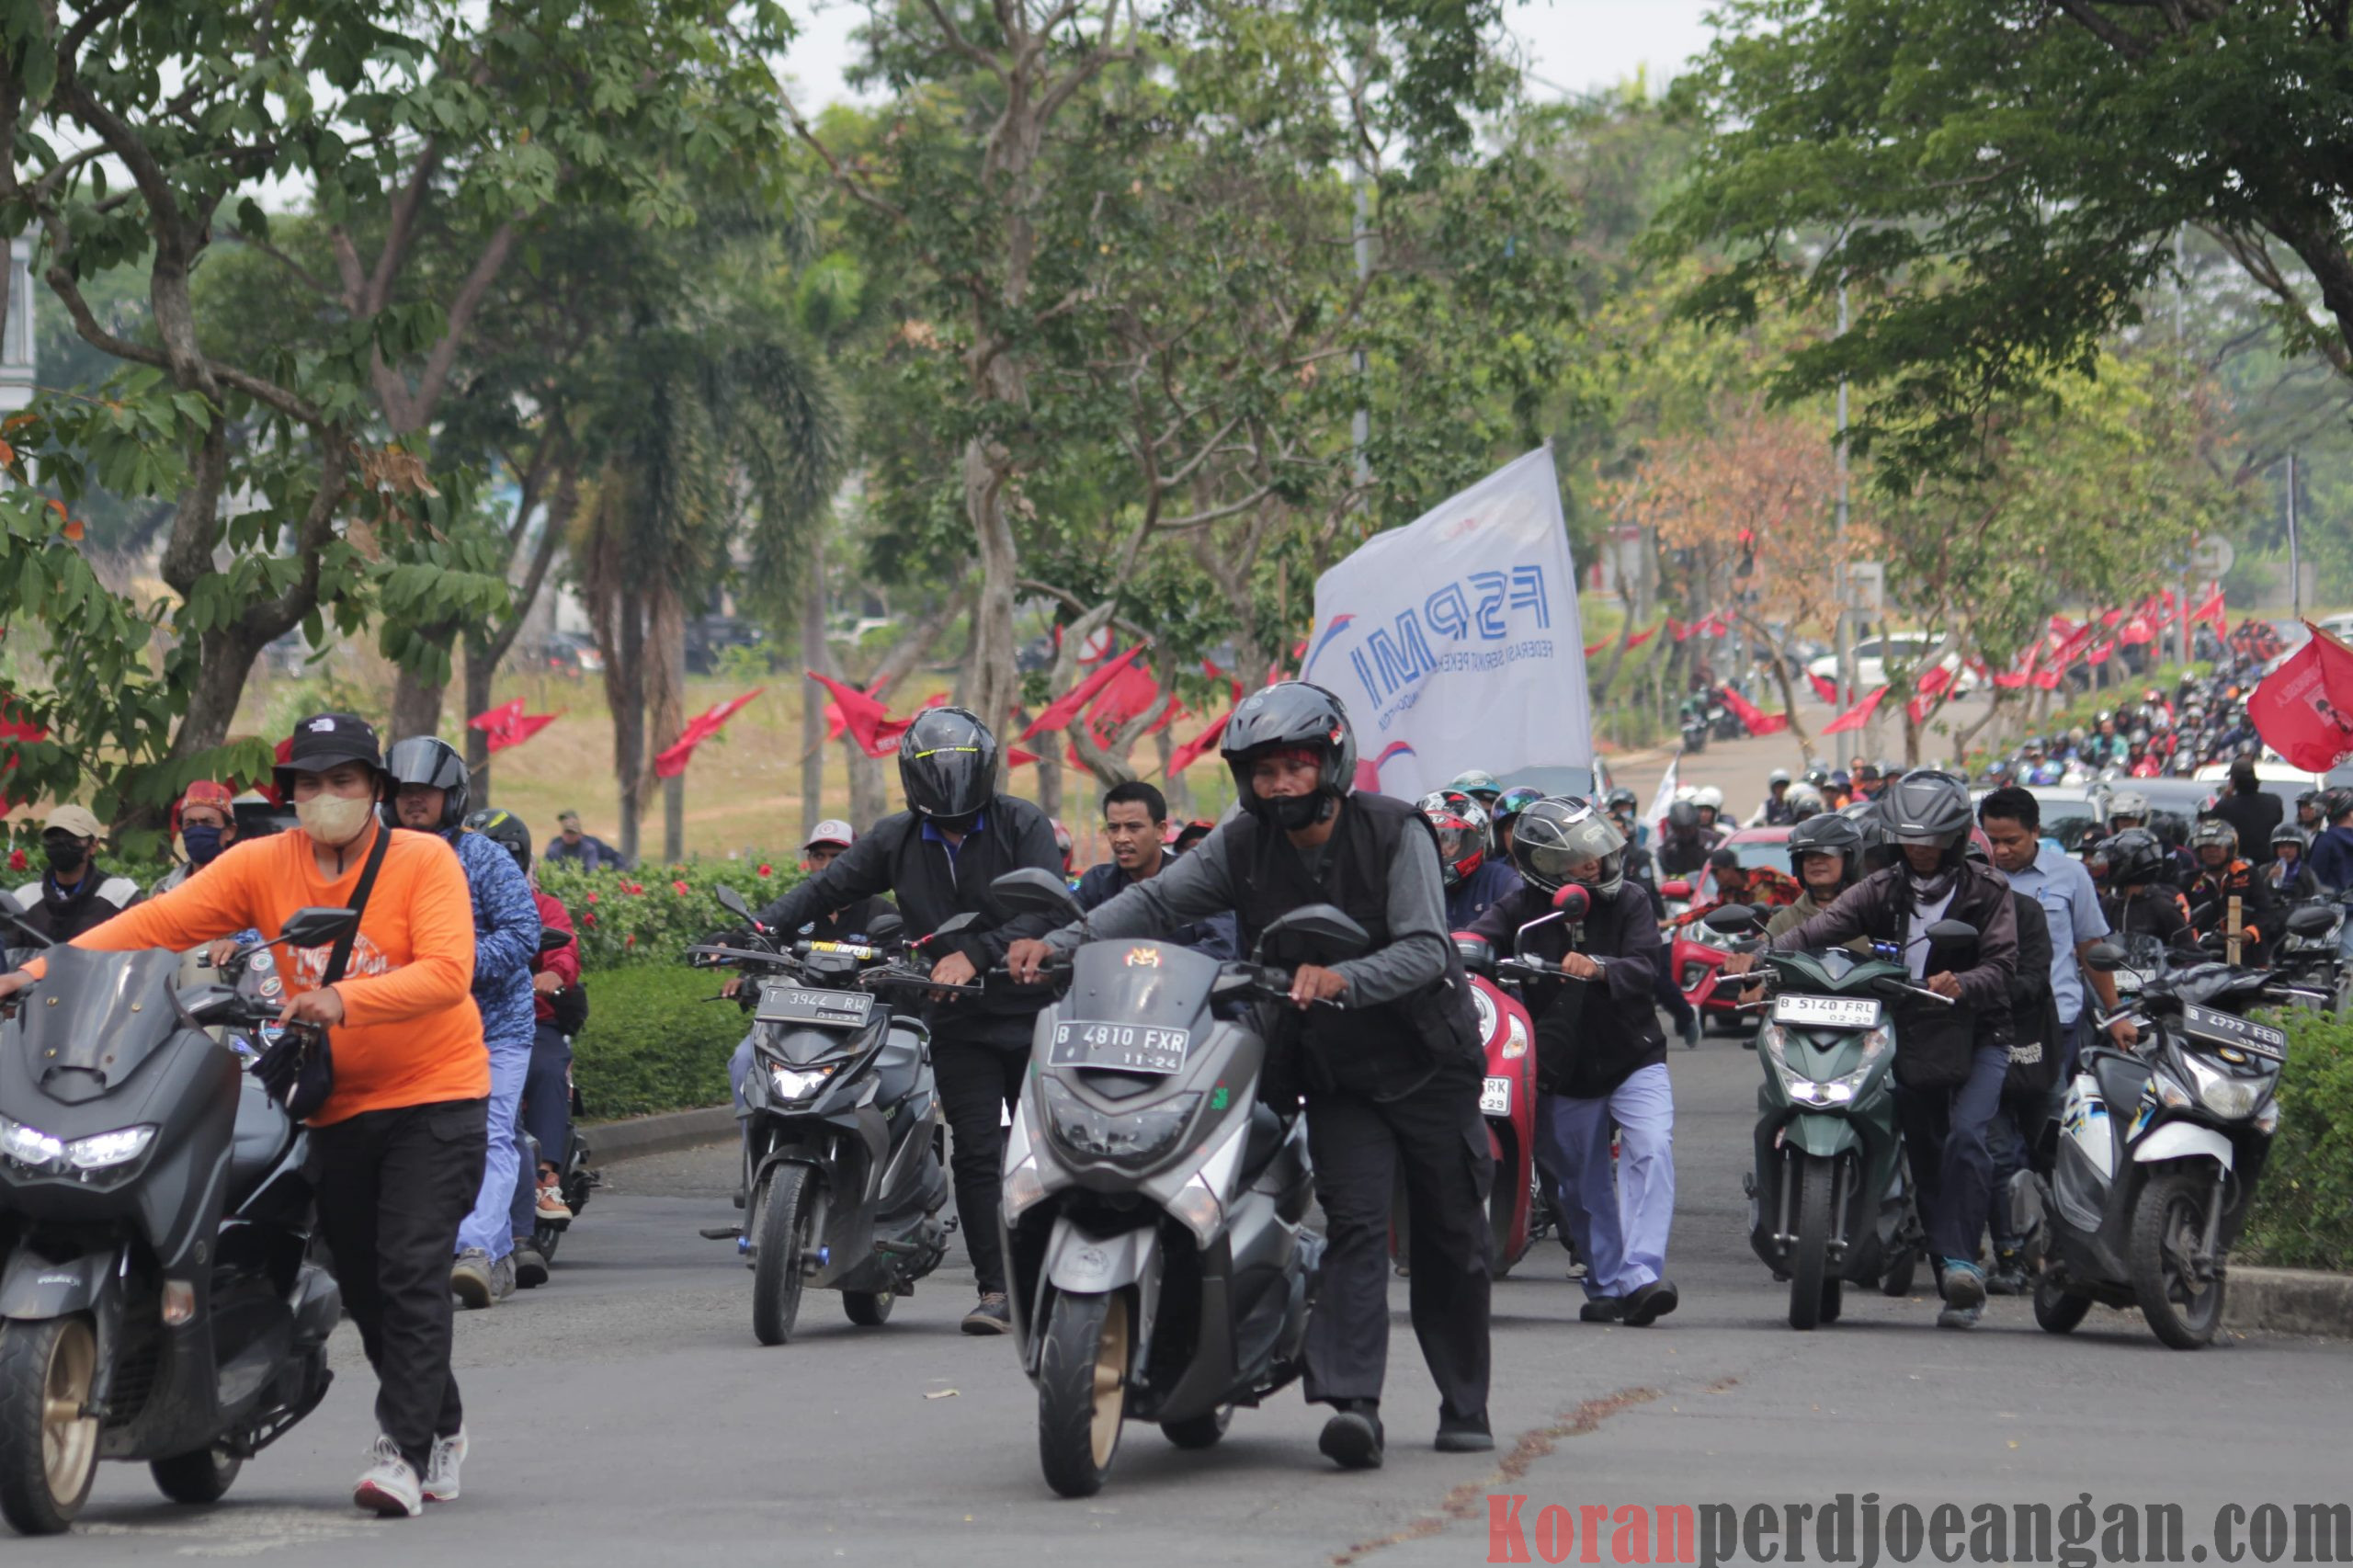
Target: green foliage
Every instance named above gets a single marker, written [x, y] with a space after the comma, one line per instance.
[654, 1041]
[2304, 1209]
[643, 918]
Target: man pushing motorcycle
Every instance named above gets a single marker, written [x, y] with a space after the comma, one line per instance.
[1391, 1083]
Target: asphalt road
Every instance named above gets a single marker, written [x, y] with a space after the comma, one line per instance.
[623, 1415]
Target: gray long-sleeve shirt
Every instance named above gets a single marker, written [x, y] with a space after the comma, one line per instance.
[1195, 886]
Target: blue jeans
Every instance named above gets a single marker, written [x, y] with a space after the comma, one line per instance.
[1945, 1133]
[489, 1227]
[546, 1116]
[1618, 1215]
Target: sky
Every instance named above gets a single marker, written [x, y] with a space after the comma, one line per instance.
[1568, 46]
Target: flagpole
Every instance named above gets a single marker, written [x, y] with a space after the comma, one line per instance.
[2295, 565]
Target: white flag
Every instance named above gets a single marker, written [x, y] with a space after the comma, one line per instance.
[1663, 796]
[1454, 641]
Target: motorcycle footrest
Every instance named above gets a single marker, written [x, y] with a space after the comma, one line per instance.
[720, 1233]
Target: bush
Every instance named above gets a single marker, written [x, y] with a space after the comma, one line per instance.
[653, 1044]
[652, 917]
[2303, 1208]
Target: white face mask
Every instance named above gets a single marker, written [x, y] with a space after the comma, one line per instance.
[334, 820]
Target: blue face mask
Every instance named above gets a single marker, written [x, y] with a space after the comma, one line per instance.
[202, 841]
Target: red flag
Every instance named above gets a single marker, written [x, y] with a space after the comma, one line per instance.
[2210, 610]
[868, 723]
[1014, 757]
[2101, 653]
[1759, 723]
[1679, 631]
[2303, 710]
[1593, 648]
[1638, 638]
[701, 728]
[1823, 687]
[2137, 630]
[1184, 757]
[1071, 703]
[1855, 718]
[509, 725]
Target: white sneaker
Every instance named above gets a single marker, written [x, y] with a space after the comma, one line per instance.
[441, 1471]
[388, 1486]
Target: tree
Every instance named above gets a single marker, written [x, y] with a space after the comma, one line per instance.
[2000, 185]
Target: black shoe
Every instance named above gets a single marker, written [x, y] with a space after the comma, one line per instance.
[2008, 1277]
[993, 1314]
[1650, 1303]
[530, 1265]
[1602, 1309]
[1352, 1439]
[1468, 1435]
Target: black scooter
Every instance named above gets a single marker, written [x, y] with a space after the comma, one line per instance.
[844, 1136]
[156, 1298]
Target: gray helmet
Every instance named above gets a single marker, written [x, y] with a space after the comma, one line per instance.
[2215, 830]
[2128, 803]
[1561, 832]
[1805, 800]
[1828, 834]
[1928, 807]
[424, 759]
[2289, 833]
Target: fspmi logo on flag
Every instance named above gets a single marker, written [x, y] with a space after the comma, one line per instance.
[1454, 642]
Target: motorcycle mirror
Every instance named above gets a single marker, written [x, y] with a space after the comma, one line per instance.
[551, 938]
[884, 930]
[2104, 957]
[1953, 931]
[1035, 890]
[207, 1003]
[1675, 888]
[1733, 919]
[1314, 933]
[317, 926]
[732, 901]
[1574, 904]
[2312, 920]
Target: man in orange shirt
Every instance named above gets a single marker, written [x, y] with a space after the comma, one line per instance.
[397, 1153]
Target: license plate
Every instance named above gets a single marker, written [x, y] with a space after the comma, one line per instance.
[1826, 1012]
[784, 1003]
[2229, 1029]
[1128, 1048]
[1494, 1097]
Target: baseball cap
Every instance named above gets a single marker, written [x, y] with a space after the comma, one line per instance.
[322, 741]
[833, 830]
[75, 820]
[568, 819]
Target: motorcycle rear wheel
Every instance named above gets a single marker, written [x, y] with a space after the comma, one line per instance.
[1200, 1431]
[199, 1478]
[1810, 1251]
[2169, 1223]
[1081, 1391]
[867, 1309]
[782, 1228]
[2057, 1311]
[49, 1449]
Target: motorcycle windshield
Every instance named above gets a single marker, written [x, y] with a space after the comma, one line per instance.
[1158, 985]
[104, 1013]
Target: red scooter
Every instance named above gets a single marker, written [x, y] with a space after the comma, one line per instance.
[1517, 1212]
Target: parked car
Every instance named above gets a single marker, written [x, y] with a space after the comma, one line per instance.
[1590, 783]
[710, 637]
[571, 653]
[1877, 657]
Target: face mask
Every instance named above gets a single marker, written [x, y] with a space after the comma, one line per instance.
[202, 842]
[1293, 813]
[958, 824]
[334, 820]
[66, 859]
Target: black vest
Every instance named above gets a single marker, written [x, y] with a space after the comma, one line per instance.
[1387, 1050]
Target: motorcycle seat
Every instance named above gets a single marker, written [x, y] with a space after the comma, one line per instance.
[895, 1067]
[258, 1141]
[1265, 1141]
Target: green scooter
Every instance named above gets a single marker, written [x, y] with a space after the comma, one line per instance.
[1830, 1200]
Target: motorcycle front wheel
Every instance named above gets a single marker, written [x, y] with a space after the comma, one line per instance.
[2168, 1228]
[1081, 1391]
[2057, 1311]
[783, 1227]
[49, 1449]
[1810, 1249]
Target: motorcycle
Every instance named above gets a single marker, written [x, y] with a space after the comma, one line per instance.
[2141, 1209]
[1830, 1199]
[1691, 721]
[843, 1131]
[2307, 958]
[156, 1300]
[1518, 1213]
[574, 1175]
[1155, 1207]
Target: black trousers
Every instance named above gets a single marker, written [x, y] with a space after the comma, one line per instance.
[392, 1186]
[979, 1078]
[1436, 1138]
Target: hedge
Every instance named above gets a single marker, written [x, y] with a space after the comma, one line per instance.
[2303, 1207]
[628, 918]
[653, 1044]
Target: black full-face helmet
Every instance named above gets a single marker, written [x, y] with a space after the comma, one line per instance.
[505, 829]
[1291, 715]
[948, 765]
[1561, 832]
[2133, 859]
[424, 759]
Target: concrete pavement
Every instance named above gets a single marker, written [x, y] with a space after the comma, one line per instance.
[623, 1415]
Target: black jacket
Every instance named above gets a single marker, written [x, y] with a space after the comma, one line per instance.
[931, 887]
[1933, 1041]
[2255, 816]
[2034, 1012]
[1590, 1036]
[61, 916]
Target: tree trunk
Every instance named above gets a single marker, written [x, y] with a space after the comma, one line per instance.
[1050, 777]
[995, 683]
[1173, 786]
[416, 702]
[625, 691]
[229, 654]
[666, 699]
[815, 655]
[481, 670]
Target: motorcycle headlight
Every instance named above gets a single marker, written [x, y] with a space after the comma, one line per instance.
[1135, 1137]
[2234, 1099]
[116, 1148]
[793, 1083]
[2170, 1094]
[29, 1145]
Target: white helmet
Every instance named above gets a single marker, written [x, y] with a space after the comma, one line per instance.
[1683, 792]
[1709, 797]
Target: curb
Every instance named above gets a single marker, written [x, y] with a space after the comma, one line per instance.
[2290, 1301]
[660, 1134]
